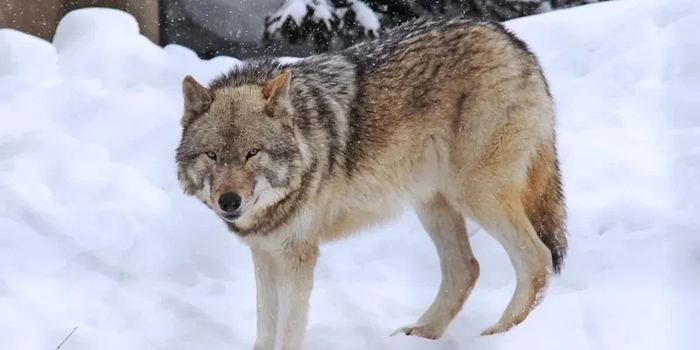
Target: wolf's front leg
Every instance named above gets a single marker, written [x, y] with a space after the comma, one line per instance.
[266, 284]
[296, 266]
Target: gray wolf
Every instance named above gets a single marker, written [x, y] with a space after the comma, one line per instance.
[452, 117]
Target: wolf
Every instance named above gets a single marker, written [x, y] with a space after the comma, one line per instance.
[452, 117]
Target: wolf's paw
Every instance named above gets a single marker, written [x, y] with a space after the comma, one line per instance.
[498, 328]
[420, 330]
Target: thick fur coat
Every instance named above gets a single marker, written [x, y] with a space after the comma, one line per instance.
[452, 117]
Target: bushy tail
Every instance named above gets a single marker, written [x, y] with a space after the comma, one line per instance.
[543, 200]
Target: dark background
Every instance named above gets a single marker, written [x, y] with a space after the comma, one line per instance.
[223, 27]
[236, 27]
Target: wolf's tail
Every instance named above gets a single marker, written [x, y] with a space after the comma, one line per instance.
[543, 200]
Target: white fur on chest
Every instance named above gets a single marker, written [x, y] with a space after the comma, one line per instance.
[299, 229]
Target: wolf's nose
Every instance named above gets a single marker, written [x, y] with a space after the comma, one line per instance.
[229, 202]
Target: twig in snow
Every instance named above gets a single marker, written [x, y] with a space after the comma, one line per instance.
[64, 340]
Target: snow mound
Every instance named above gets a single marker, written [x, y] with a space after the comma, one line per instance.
[26, 55]
[95, 232]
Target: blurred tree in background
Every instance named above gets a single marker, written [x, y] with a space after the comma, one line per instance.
[254, 28]
[333, 24]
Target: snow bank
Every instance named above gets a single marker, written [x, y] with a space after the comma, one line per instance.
[95, 233]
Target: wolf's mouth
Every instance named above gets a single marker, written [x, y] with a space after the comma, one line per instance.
[231, 217]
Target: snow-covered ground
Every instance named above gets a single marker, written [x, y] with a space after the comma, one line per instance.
[95, 233]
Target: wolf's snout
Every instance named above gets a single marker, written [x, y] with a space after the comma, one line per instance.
[229, 202]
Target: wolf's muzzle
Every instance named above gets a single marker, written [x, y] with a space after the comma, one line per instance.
[229, 202]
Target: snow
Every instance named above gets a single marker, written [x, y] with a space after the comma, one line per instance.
[365, 16]
[297, 10]
[96, 234]
[323, 11]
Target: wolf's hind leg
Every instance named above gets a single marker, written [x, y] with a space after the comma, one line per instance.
[460, 269]
[503, 216]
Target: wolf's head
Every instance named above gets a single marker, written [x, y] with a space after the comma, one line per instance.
[238, 153]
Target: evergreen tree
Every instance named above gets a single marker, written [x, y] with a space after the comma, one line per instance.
[341, 23]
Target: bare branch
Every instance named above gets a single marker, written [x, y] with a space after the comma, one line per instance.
[64, 340]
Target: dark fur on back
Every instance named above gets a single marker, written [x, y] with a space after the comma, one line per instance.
[322, 82]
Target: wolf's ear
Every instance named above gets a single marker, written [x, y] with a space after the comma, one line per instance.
[276, 93]
[197, 99]
[277, 88]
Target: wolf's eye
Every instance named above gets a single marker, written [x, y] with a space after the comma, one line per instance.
[252, 153]
[210, 154]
